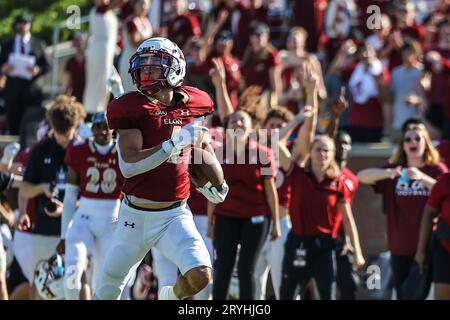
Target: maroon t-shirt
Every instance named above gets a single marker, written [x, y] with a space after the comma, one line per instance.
[440, 199]
[183, 27]
[101, 9]
[126, 11]
[255, 69]
[414, 32]
[351, 183]
[404, 204]
[232, 13]
[76, 70]
[370, 113]
[232, 73]
[246, 197]
[314, 204]
[310, 14]
[242, 36]
[133, 110]
[283, 185]
[440, 81]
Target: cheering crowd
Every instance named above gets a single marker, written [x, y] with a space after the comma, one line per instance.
[318, 75]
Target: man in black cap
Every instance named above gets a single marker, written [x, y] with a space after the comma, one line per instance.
[20, 89]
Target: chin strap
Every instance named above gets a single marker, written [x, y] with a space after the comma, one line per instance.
[154, 88]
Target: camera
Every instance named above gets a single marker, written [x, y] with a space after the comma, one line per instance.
[51, 205]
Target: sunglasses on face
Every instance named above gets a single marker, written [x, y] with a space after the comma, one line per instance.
[416, 138]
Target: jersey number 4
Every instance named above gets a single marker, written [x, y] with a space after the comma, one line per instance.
[108, 183]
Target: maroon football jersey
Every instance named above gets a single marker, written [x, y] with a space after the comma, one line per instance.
[99, 174]
[170, 180]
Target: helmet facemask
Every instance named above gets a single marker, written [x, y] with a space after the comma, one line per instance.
[151, 69]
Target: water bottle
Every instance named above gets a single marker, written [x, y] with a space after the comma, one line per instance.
[404, 177]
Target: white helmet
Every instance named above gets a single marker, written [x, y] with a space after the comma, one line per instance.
[49, 278]
[157, 63]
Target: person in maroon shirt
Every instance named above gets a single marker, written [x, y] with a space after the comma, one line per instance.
[200, 53]
[260, 64]
[291, 59]
[405, 184]
[438, 205]
[366, 84]
[346, 277]
[310, 14]
[404, 28]
[198, 67]
[271, 256]
[257, 12]
[233, 8]
[437, 62]
[442, 146]
[318, 193]
[184, 25]
[244, 217]
[223, 47]
[75, 67]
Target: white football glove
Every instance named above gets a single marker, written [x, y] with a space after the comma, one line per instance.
[212, 194]
[184, 137]
[10, 152]
[114, 83]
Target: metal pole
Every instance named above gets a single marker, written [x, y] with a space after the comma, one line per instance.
[54, 65]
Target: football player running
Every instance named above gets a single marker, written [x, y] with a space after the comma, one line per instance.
[93, 172]
[156, 126]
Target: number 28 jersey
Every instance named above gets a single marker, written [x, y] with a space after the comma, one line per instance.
[99, 174]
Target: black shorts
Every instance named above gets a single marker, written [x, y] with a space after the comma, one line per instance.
[435, 115]
[441, 265]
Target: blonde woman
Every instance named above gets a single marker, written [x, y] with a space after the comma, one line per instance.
[405, 185]
[318, 194]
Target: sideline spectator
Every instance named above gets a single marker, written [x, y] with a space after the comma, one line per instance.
[21, 91]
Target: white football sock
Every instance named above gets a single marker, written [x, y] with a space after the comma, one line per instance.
[167, 293]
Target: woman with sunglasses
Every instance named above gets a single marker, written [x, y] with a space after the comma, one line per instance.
[405, 183]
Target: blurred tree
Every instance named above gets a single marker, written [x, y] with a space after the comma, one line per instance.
[46, 15]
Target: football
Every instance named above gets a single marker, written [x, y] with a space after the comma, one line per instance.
[204, 168]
